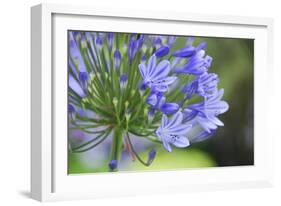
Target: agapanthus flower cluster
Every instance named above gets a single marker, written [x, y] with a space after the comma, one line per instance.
[143, 85]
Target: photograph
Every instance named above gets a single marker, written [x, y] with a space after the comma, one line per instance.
[152, 102]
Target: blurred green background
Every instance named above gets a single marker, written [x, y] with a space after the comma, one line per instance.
[233, 145]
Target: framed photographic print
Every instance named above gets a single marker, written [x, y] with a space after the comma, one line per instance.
[135, 102]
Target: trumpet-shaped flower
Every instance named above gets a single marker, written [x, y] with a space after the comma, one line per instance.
[155, 76]
[205, 113]
[173, 131]
[204, 85]
[158, 101]
[197, 64]
[211, 106]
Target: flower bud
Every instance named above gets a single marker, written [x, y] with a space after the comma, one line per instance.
[151, 156]
[84, 43]
[162, 51]
[150, 115]
[123, 81]
[117, 59]
[113, 164]
[143, 59]
[126, 104]
[110, 37]
[127, 116]
[115, 101]
[98, 41]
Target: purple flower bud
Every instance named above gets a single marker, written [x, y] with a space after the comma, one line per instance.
[83, 76]
[98, 42]
[123, 81]
[162, 51]
[71, 108]
[201, 46]
[151, 115]
[110, 40]
[113, 164]
[117, 59]
[169, 108]
[157, 42]
[151, 156]
[187, 51]
[75, 53]
[171, 40]
[132, 48]
[143, 59]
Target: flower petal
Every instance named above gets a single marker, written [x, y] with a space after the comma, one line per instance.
[176, 120]
[161, 70]
[165, 81]
[159, 88]
[187, 51]
[182, 129]
[169, 108]
[167, 146]
[152, 99]
[73, 84]
[216, 121]
[164, 121]
[151, 65]
[143, 71]
[203, 135]
[206, 124]
[182, 141]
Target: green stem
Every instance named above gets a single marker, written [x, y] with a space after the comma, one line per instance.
[93, 146]
[136, 154]
[117, 142]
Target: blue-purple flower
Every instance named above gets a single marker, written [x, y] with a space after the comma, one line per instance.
[204, 85]
[158, 101]
[198, 64]
[155, 76]
[173, 131]
[205, 113]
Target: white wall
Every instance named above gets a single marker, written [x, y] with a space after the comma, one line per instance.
[15, 95]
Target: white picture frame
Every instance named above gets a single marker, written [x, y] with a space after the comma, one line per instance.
[49, 179]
